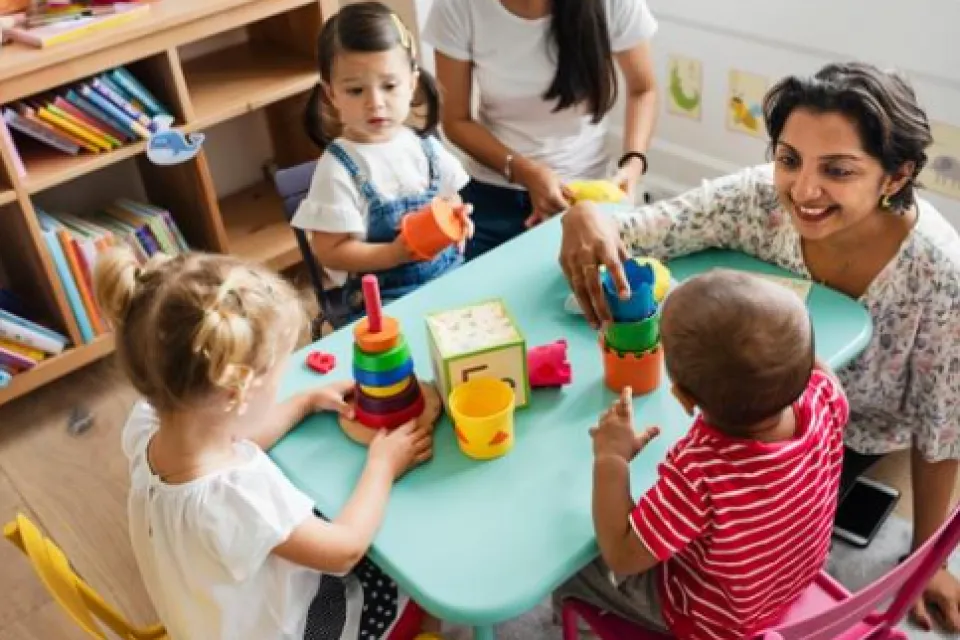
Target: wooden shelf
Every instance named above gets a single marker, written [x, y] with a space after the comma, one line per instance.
[48, 167]
[56, 367]
[7, 196]
[257, 228]
[244, 78]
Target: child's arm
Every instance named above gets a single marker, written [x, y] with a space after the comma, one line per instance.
[337, 546]
[615, 444]
[621, 548]
[286, 415]
[344, 252]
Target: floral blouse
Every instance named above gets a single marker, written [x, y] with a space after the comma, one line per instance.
[905, 387]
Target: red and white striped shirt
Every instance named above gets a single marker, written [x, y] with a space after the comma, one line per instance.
[742, 527]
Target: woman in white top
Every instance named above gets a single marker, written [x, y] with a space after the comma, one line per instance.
[837, 206]
[546, 78]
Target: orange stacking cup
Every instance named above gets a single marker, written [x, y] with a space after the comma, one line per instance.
[432, 229]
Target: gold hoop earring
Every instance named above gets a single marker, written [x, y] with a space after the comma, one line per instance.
[885, 202]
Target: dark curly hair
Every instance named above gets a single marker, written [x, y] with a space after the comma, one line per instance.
[893, 127]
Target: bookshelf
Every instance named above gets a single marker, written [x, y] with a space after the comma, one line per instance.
[272, 71]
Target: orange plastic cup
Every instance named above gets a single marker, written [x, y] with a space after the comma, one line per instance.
[432, 229]
[639, 371]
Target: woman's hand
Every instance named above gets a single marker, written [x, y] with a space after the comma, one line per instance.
[628, 176]
[591, 240]
[547, 194]
[940, 600]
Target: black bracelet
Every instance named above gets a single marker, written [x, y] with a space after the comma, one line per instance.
[629, 155]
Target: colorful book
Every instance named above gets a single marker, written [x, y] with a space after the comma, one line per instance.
[34, 354]
[48, 228]
[31, 334]
[76, 130]
[30, 113]
[115, 112]
[69, 30]
[6, 138]
[95, 112]
[40, 132]
[125, 80]
[104, 88]
[67, 110]
[15, 362]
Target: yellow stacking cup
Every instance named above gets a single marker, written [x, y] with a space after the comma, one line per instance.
[482, 412]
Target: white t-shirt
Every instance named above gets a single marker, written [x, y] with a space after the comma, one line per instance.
[204, 547]
[513, 66]
[395, 168]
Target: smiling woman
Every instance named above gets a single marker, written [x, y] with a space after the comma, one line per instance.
[838, 206]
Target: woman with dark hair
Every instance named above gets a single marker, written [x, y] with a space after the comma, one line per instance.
[837, 206]
[546, 78]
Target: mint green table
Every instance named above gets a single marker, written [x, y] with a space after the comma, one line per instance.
[479, 543]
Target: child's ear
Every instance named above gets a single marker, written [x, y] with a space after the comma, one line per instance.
[415, 80]
[327, 92]
[685, 399]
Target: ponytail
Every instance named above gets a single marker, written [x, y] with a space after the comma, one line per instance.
[428, 94]
[585, 69]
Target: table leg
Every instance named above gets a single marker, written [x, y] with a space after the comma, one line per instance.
[484, 633]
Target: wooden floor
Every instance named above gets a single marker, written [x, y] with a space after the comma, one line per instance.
[74, 487]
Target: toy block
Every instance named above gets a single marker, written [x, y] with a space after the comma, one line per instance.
[388, 393]
[478, 341]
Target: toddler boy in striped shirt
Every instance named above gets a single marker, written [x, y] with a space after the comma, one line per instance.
[740, 518]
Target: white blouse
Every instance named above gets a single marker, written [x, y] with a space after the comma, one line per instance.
[905, 387]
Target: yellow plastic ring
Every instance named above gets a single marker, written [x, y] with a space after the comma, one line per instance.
[385, 392]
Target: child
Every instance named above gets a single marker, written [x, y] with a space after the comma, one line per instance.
[739, 521]
[228, 548]
[378, 170]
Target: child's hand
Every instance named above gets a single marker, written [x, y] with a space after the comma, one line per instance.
[402, 448]
[464, 211]
[614, 435]
[332, 397]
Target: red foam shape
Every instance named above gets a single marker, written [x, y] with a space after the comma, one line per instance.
[548, 365]
[321, 362]
[371, 300]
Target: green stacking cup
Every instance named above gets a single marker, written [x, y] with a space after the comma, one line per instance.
[634, 337]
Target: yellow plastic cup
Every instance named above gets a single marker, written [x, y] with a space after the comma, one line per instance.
[482, 412]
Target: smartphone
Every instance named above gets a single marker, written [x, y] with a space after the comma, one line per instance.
[863, 511]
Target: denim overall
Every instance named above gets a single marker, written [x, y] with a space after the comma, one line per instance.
[383, 223]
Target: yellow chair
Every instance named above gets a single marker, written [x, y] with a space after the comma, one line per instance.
[75, 596]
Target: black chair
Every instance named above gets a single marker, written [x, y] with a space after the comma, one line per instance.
[292, 185]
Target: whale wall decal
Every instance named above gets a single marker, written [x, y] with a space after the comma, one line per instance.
[168, 146]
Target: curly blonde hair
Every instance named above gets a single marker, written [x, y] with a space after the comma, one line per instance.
[196, 324]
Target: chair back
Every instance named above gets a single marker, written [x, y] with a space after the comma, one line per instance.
[84, 605]
[292, 185]
[857, 615]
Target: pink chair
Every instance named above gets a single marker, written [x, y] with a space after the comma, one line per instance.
[825, 611]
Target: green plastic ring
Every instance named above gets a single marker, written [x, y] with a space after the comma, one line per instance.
[634, 337]
[381, 362]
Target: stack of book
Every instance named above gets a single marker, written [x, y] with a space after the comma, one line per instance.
[50, 22]
[74, 243]
[23, 343]
[96, 115]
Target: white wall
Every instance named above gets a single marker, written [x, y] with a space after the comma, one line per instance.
[775, 38]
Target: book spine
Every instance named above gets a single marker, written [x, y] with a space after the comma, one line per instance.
[34, 354]
[74, 129]
[96, 126]
[94, 112]
[115, 113]
[14, 362]
[121, 103]
[67, 280]
[35, 131]
[131, 85]
[25, 335]
[7, 139]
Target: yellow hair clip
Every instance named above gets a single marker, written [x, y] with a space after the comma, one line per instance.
[406, 39]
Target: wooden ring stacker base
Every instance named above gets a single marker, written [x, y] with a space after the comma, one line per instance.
[432, 409]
